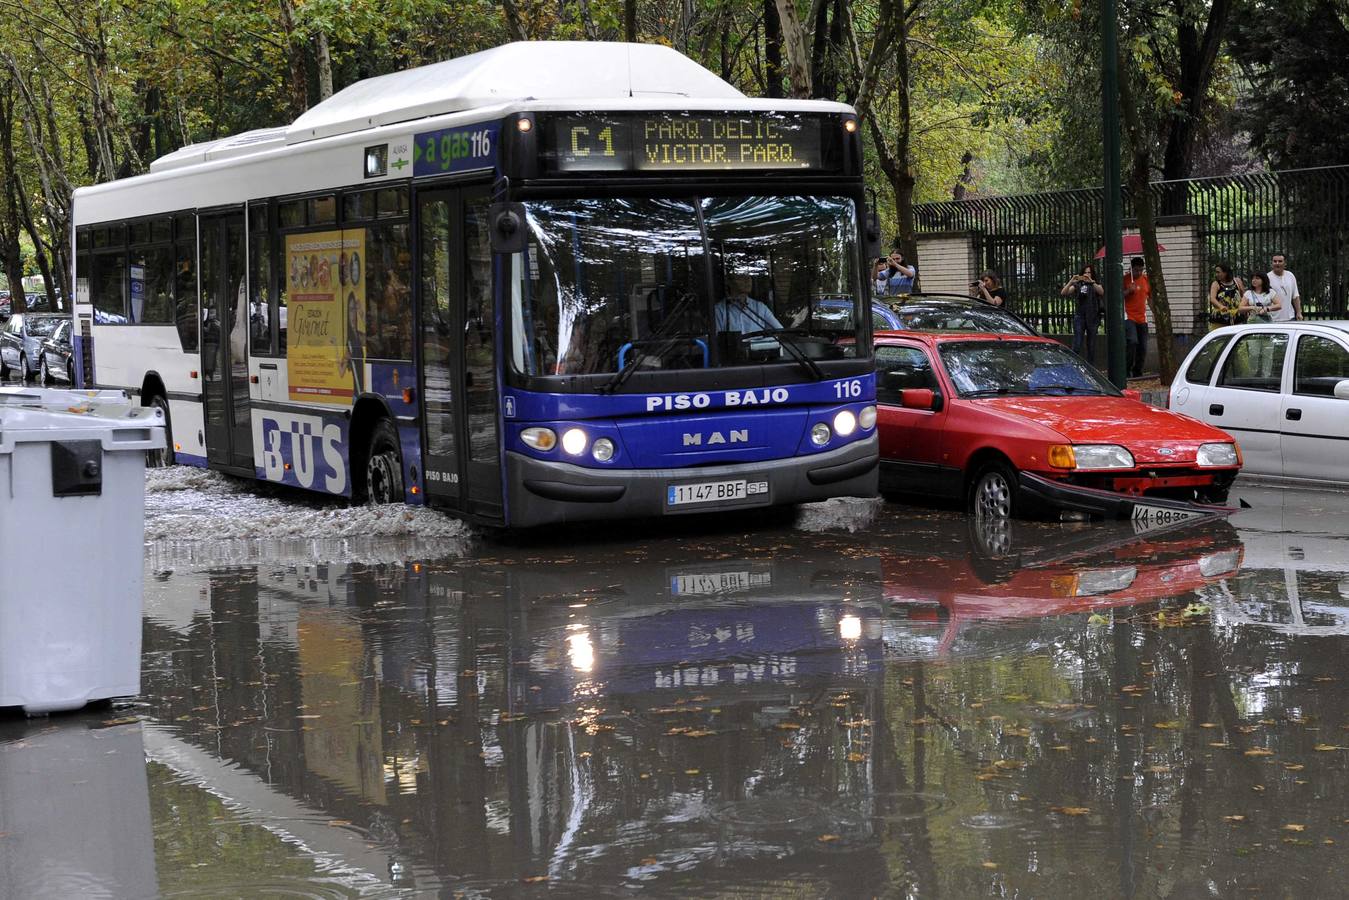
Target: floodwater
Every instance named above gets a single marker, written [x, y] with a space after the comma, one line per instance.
[866, 700]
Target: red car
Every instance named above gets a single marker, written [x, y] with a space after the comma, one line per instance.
[1019, 425]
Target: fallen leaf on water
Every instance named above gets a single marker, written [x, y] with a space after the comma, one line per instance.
[1208, 724]
[1234, 818]
[1219, 744]
[827, 838]
[856, 757]
[986, 776]
[691, 772]
[1095, 619]
[1259, 751]
[314, 716]
[700, 733]
[1070, 810]
[124, 720]
[338, 823]
[1166, 726]
[1061, 748]
[535, 879]
[1158, 770]
[1329, 842]
[1294, 767]
[1326, 747]
[788, 726]
[1294, 827]
[989, 865]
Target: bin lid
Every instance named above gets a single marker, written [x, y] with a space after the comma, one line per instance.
[116, 425]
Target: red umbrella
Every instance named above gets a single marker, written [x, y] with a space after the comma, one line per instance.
[1132, 246]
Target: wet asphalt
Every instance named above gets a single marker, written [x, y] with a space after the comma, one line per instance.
[858, 699]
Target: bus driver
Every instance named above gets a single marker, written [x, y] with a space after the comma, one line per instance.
[742, 313]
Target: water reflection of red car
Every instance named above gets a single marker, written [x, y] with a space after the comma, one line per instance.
[1082, 574]
[1014, 424]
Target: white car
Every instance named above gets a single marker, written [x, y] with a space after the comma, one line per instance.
[1282, 390]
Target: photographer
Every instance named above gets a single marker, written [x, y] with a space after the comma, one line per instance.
[988, 289]
[1086, 292]
[900, 276]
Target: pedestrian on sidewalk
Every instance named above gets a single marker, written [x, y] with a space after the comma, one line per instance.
[1261, 302]
[1086, 292]
[988, 289]
[1284, 284]
[1224, 298]
[1137, 292]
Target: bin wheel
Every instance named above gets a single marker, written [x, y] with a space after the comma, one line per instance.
[159, 459]
[383, 466]
[4, 370]
[70, 373]
[994, 495]
[44, 375]
[23, 368]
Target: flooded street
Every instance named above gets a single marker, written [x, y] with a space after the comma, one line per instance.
[863, 700]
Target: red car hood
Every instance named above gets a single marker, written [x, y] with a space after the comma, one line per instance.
[1144, 429]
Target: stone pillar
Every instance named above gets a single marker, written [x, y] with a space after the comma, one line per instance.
[947, 262]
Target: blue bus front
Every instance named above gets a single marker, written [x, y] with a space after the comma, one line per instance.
[672, 353]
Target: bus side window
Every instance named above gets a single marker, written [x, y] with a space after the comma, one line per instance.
[185, 281]
[108, 287]
[259, 281]
[388, 295]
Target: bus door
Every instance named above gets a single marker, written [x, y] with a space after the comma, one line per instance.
[461, 447]
[224, 341]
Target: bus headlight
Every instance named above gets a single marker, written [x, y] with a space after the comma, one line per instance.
[539, 438]
[603, 451]
[867, 418]
[1216, 455]
[574, 441]
[820, 434]
[845, 423]
[1102, 456]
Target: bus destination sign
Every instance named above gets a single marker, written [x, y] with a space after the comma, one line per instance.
[684, 143]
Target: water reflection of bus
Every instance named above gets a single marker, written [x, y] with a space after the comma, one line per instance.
[542, 283]
[520, 720]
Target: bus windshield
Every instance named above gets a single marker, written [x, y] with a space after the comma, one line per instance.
[614, 284]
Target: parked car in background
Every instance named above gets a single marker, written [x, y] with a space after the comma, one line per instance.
[21, 343]
[56, 356]
[1019, 425]
[6, 307]
[1282, 389]
[931, 312]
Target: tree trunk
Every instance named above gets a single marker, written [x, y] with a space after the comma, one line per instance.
[772, 50]
[1139, 173]
[10, 252]
[297, 82]
[630, 21]
[324, 57]
[794, 45]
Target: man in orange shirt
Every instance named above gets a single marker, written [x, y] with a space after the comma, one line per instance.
[1136, 294]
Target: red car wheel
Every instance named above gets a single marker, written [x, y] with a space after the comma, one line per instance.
[994, 495]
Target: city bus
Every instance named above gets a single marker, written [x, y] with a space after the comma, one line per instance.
[547, 282]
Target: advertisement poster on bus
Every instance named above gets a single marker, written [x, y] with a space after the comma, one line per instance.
[325, 350]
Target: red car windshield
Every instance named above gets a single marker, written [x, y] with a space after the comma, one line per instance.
[1035, 368]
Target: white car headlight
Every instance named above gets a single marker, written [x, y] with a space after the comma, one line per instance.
[1216, 455]
[1102, 456]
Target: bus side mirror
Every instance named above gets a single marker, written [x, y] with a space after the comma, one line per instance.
[508, 227]
[873, 234]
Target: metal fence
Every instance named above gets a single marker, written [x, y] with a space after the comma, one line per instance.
[1036, 241]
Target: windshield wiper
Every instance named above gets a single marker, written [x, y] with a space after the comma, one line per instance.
[638, 354]
[1067, 389]
[991, 392]
[805, 361]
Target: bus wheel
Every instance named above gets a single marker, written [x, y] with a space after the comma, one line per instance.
[384, 466]
[159, 459]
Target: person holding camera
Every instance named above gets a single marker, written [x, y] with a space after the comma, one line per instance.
[900, 277]
[1086, 291]
[988, 289]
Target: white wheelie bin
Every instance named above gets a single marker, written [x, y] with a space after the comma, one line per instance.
[72, 526]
